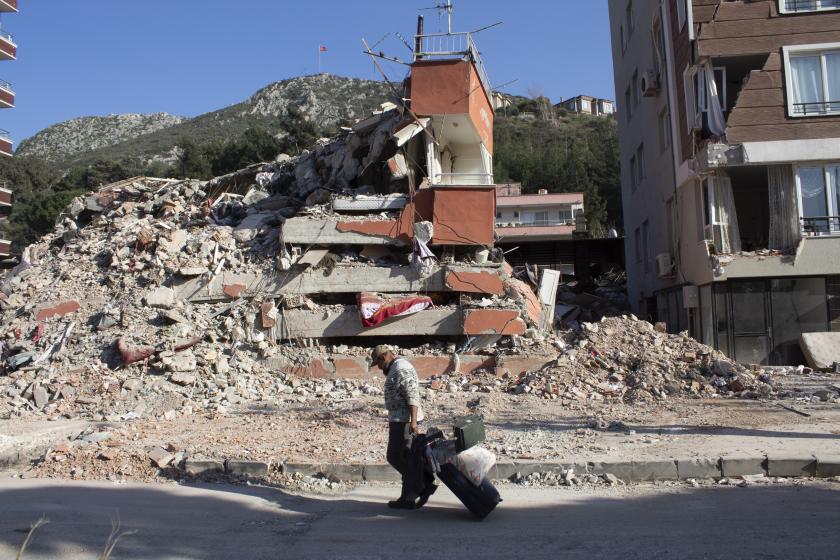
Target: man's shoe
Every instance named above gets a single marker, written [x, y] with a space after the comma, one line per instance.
[425, 495]
[402, 504]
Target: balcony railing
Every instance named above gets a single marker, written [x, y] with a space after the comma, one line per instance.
[463, 179]
[816, 108]
[821, 225]
[7, 36]
[810, 5]
[5, 135]
[6, 85]
[450, 45]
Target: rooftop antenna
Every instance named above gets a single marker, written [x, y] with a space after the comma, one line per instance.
[441, 8]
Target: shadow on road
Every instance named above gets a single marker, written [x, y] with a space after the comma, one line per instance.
[227, 521]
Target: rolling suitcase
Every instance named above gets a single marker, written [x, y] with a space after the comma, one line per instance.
[480, 500]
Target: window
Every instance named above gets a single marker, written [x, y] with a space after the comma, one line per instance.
[541, 217]
[516, 214]
[812, 79]
[645, 246]
[681, 14]
[664, 130]
[627, 108]
[818, 189]
[633, 173]
[692, 113]
[657, 37]
[566, 216]
[628, 16]
[640, 162]
[699, 201]
[637, 236]
[794, 6]
[623, 38]
[720, 84]
[634, 87]
[498, 215]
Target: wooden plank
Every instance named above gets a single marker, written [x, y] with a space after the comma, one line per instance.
[752, 116]
[825, 22]
[786, 131]
[764, 80]
[704, 14]
[762, 45]
[760, 98]
[744, 11]
[773, 63]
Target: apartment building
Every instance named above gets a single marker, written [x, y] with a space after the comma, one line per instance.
[730, 166]
[8, 51]
[588, 105]
[535, 217]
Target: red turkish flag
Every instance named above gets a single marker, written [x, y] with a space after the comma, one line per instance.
[322, 48]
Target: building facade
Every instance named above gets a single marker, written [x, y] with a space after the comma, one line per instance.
[532, 217]
[8, 51]
[587, 105]
[730, 165]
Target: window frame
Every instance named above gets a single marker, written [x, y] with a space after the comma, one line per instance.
[816, 49]
[832, 198]
[633, 171]
[640, 162]
[783, 10]
[682, 14]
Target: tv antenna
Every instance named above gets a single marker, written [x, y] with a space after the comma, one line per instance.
[441, 8]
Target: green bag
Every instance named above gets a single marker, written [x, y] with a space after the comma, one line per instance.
[469, 431]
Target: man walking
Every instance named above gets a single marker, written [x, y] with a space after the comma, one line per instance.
[402, 399]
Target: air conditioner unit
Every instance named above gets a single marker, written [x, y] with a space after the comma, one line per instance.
[649, 84]
[664, 265]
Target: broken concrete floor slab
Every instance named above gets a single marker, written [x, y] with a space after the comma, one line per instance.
[821, 349]
[342, 279]
[313, 231]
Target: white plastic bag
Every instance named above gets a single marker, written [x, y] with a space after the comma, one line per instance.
[475, 463]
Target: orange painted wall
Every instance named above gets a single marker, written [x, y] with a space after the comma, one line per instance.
[446, 87]
[464, 216]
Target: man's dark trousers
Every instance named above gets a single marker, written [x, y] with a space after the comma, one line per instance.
[409, 464]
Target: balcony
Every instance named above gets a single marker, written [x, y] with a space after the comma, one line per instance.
[6, 148]
[7, 95]
[453, 45]
[8, 6]
[820, 225]
[8, 47]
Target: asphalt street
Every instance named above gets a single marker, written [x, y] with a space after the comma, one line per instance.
[226, 521]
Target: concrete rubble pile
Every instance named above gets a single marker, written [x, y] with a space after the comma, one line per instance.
[160, 296]
[629, 360]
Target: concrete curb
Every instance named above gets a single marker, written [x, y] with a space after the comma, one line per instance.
[629, 471]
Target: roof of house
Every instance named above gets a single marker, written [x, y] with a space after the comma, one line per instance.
[539, 199]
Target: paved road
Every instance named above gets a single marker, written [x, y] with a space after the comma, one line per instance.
[228, 522]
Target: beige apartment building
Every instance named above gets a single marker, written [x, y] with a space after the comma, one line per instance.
[729, 129]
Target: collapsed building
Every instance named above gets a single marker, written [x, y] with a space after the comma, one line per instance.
[384, 233]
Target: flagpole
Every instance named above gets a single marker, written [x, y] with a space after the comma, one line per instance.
[319, 58]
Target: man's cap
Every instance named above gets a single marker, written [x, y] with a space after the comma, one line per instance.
[380, 351]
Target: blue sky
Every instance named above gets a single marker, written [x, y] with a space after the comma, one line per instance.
[187, 57]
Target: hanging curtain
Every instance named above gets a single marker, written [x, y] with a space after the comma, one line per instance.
[807, 84]
[832, 78]
[784, 208]
[725, 215]
[717, 122]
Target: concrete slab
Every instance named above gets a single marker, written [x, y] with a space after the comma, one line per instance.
[821, 349]
[195, 467]
[246, 468]
[313, 231]
[828, 465]
[301, 323]
[654, 470]
[304, 469]
[345, 471]
[699, 467]
[343, 279]
[381, 473]
[743, 465]
[623, 469]
[791, 466]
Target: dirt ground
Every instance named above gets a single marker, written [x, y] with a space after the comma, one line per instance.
[519, 428]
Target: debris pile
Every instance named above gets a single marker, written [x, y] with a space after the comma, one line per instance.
[626, 359]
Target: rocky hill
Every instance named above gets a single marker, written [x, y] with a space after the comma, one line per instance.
[324, 99]
[84, 134]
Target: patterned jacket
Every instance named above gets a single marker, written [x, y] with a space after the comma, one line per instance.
[401, 391]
